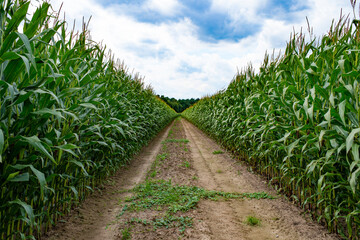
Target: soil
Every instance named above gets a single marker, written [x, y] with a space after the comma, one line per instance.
[185, 155]
[95, 217]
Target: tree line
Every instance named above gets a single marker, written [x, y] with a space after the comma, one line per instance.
[179, 105]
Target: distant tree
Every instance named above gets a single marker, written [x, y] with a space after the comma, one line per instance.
[180, 104]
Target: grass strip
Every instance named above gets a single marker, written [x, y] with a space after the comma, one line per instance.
[160, 195]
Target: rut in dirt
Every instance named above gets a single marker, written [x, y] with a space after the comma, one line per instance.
[189, 188]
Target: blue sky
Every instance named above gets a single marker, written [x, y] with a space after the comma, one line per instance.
[193, 48]
[213, 25]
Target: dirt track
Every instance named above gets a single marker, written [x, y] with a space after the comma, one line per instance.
[93, 220]
[96, 219]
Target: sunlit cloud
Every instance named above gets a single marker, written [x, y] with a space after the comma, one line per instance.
[192, 48]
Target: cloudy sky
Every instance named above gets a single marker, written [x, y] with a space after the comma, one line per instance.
[191, 48]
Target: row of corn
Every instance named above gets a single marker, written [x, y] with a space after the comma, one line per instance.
[297, 122]
[70, 115]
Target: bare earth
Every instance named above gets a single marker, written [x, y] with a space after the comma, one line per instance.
[191, 164]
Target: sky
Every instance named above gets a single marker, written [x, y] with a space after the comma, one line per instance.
[193, 48]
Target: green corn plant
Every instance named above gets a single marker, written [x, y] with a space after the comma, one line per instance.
[70, 115]
[296, 121]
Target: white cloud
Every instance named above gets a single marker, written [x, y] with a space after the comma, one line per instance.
[165, 7]
[238, 8]
[172, 57]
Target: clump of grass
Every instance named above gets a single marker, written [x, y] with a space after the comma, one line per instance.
[219, 171]
[162, 156]
[167, 221]
[252, 221]
[120, 191]
[176, 141]
[158, 161]
[126, 234]
[217, 152]
[153, 174]
[163, 195]
[185, 164]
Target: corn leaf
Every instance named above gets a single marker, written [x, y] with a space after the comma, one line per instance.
[38, 145]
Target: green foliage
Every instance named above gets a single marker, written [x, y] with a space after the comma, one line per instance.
[252, 221]
[179, 105]
[297, 122]
[69, 117]
[180, 222]
[162, 156]
[217, 152]
[185, 164]
[158, 161]
[160, 194]
[177, 197]
[153, 173]
[176, 141]
[126, 234]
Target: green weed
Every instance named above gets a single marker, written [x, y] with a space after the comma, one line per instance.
[153, 173]
[252, 221]
[162, 156]
[176, 141]
[217, 152]
[163, 195]
[126, 234]
[185, 164]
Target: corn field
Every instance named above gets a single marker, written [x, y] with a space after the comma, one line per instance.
[296, 121]
[70, 115]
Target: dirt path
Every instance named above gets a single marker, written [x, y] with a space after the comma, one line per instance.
[183, 155]
[279, 218]
[95, 218]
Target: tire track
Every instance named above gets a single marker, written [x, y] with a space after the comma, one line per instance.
[226, 219]
[222, 222]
